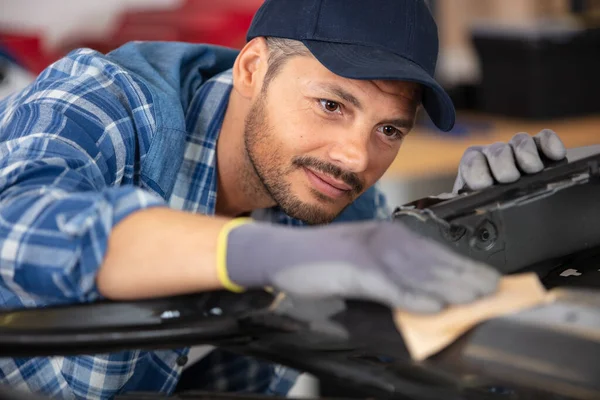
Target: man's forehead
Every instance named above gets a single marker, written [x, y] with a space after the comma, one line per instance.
[317, 75]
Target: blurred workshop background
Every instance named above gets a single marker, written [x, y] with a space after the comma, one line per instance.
[510, 66]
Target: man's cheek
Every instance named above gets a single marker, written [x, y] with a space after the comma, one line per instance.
[382, 161]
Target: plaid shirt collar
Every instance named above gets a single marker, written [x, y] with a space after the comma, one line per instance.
[196, 186]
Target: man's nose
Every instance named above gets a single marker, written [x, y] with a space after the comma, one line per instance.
[350, 152]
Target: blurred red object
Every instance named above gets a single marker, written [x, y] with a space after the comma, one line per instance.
[27, 51]
[219, 22]
[222, 22]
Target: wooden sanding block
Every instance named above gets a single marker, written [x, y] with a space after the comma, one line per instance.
[427, 334]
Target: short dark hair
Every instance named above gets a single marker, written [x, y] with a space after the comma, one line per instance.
[280, 51]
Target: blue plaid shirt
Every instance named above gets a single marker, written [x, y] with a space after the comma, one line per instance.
[95, 138]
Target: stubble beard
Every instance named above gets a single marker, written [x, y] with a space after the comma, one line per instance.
[265, 171]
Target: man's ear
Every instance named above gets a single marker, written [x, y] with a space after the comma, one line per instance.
[250, 67]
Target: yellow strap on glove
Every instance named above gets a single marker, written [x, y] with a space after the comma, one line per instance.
[222, 253]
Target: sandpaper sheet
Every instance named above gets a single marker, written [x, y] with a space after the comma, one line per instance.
[427, 334]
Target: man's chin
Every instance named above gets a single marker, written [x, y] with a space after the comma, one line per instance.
[312, 217]
[313, 212]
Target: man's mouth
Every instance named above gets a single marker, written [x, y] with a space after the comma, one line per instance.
[326, 184]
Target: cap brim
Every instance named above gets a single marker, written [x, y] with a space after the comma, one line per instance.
[363, 62]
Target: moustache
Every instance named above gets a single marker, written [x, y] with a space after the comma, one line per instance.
[349, 178]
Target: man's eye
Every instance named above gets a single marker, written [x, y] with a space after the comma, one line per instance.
[330, 106]
[391, 132]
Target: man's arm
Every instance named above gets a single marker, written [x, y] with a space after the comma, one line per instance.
[62, 225]
[161, 252]
[185, 240]
[68, 206]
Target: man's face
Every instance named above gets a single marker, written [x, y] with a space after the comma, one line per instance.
[317, 140]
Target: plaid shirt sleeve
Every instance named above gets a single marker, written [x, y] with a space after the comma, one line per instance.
[380, 203]
[67, 157]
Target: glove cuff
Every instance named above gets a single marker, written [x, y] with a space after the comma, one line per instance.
[222, 272]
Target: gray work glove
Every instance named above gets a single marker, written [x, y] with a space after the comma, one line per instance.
[482, 166]
[383, 262]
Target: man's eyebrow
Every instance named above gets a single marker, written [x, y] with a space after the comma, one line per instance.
[341, 93]
[399, 123]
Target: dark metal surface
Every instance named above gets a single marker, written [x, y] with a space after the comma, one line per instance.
[101, 327]
[540, 217]
[550, 350]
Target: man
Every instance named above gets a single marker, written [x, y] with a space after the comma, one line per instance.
[146, 173]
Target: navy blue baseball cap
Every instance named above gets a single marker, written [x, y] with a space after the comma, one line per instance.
[365, 39]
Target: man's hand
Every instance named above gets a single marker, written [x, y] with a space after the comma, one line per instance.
[482, 166]
[378, 261]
